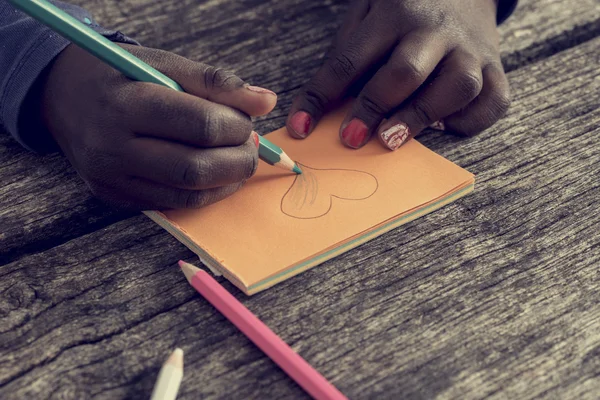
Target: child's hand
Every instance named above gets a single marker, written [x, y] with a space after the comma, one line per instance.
[422, 61]
[144, 145]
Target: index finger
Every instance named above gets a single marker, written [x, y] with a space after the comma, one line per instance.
[157, 111]
[185, 167]
[343, 66]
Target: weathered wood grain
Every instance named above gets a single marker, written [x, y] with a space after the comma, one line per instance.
[494, 296]
[43, 202]
[277, 44]
[539, 29]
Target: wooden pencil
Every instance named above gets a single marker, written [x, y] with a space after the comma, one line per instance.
[169, 377]
[126, 63]
[263, 337]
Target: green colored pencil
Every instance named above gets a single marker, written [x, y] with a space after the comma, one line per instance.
[126, 63]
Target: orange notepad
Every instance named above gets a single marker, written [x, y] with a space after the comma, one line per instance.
[280, 224]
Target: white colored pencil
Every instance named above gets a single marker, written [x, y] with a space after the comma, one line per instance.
[169, 377]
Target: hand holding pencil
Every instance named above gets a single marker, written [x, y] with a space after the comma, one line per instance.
[141, 144]
[149, 146]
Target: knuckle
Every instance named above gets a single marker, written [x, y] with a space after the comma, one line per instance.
[499, 90]
[342, 66]
[500, 100]
[411, 69]
[315, 98]
[465, 126]
[469, 83]
[220, 126]
[210, 77]
[235, 127]
[239, 127]
[190, 172]
[373, 105]
[249, 161]
[194, 199]
[423, 112]
[209, 125]
[216, 78]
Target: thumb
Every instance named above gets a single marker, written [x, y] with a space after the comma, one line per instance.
[211, 83]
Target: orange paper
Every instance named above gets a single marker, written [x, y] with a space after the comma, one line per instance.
[280, 224]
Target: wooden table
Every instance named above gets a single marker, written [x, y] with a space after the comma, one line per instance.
[496, 295]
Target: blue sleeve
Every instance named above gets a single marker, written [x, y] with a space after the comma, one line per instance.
[27, 47]
[505, 9]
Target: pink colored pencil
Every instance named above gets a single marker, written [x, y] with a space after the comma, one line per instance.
[282, 354]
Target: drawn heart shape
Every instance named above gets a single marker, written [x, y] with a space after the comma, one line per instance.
[312, 193]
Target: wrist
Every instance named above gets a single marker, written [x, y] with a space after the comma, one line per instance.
[32, 115]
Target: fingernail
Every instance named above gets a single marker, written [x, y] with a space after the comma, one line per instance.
[256, 139]
[257, 89]
[300, 123]
[355, 133]
[439, 125]
[396, 135]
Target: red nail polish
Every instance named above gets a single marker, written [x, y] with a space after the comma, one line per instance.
[355, 133]
[256, 139]
[300, 123]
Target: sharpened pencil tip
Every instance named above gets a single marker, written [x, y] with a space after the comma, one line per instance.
[188, 269]
[297, 169]
[176, 358]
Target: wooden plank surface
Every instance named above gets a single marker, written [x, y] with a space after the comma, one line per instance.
[277, 44]
[541, 28]
[495, 296]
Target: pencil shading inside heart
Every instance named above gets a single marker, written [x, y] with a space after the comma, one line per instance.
[313, 193]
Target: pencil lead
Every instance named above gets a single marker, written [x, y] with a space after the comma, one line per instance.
[176, 358]
[297, 169]
[188, 269]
